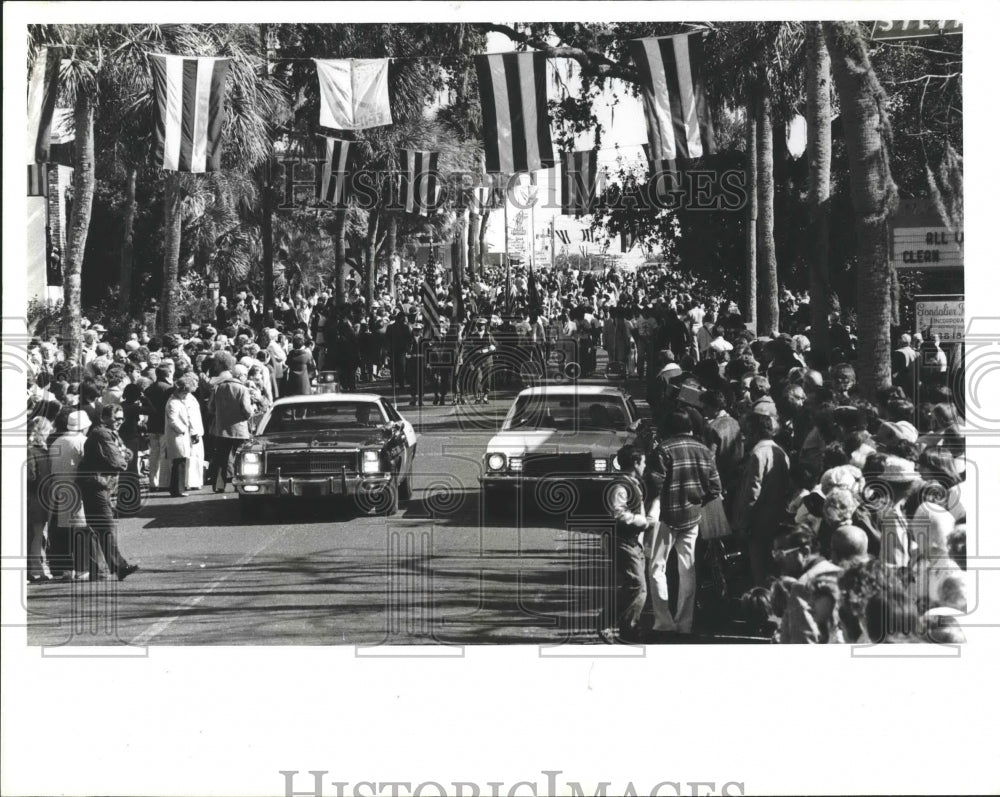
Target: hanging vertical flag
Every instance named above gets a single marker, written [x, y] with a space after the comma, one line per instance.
[629, 238]
[38, 179]
[588, 236]
[419, 189]
[190, 95]
[43, 86]
[514, 99]
[353, 93]
[583, 249]
[333, 179]
[579, 182]
[563, 235]
[678, 120]
[428, 298]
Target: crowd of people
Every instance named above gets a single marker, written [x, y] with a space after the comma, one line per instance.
[847, 508]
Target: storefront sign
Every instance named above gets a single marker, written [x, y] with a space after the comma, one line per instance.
[921, 247]
[942, 314]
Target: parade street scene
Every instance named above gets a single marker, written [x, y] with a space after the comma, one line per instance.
[614, 334]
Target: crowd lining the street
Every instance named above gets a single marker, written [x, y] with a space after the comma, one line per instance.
[851, 511]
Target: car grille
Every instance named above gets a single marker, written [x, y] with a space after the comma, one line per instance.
[557, 464]
[305, 463]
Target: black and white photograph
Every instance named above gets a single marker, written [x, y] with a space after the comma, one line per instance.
[499, 398]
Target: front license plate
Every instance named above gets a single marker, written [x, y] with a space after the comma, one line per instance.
[313, 490]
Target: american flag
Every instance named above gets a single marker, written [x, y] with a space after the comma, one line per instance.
[579, 182]
[332, 181]
[588, 236]
[563, 235]
[419, 190]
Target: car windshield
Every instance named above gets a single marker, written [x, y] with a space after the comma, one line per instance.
[323, 417]
[568, 411]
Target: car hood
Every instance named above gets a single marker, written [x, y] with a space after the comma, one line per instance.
[340, 438]
[547, 441]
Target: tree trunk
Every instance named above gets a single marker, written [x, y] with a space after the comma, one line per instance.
[340, 256]
[126, 263]
[472, 240]
[266, 222]
[371, 249]
[767, 315]
[484, 223]
[172, 218]
[461, 236]
[818, 148]
[750, 274]
[79, 224]
[390, 246]
[873, 193]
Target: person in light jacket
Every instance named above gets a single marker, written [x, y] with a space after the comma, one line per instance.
[196, 462]
[178, 434]
[73, 552]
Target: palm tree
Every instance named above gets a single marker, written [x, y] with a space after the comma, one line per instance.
[873, 193]
[819, 146]
[767, 258]
[751, 229]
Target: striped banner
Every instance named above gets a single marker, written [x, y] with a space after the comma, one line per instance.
[579, 182]
[514, 100]
[332, 181]
[419, 191]
[588, 236]
[43, 86]
[428, 298]
[190, 94]
[38, 179]
[563, 235]
[678, 120]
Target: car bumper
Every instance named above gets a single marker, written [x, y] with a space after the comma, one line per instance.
[517, 481]
[313, 486]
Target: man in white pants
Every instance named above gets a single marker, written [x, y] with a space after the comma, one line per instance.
[683, 472]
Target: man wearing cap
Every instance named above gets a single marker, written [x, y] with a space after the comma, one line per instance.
[105, 455]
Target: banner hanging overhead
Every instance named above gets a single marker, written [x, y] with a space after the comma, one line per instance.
[419, 189]
[190, 98]
[334, 177]
[514, 99]
[579, 182]
[678, 119]
[354, 93]
[43, 85]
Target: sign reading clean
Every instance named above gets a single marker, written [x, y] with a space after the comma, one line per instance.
[916, 247]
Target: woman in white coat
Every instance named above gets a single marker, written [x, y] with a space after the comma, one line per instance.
[196, 462]
[72, 547]
[177, 433]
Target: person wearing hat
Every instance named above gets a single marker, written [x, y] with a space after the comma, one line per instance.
[890, 481]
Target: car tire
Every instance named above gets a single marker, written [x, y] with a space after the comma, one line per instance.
[391, 500]
[406, 489]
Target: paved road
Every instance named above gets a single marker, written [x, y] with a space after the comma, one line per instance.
[321, 574]
[439, 572]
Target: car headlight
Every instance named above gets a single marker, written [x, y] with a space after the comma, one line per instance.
[496, 461]
[370, 463]
[251, 464]
[600, 464]
[516, 464]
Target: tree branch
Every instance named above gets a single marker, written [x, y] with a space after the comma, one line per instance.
[594, 62]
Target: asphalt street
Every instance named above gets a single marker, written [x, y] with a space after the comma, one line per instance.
[322, 573]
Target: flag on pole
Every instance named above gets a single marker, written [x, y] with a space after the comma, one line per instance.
[579, 182]
[353, 93]
[190, 94]
[428, 298]
[534, 300]
[43, 86]
[514, 100]
[332, 180]
[38, 179]
[419, 190]
[563, 235]
[678, 120]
